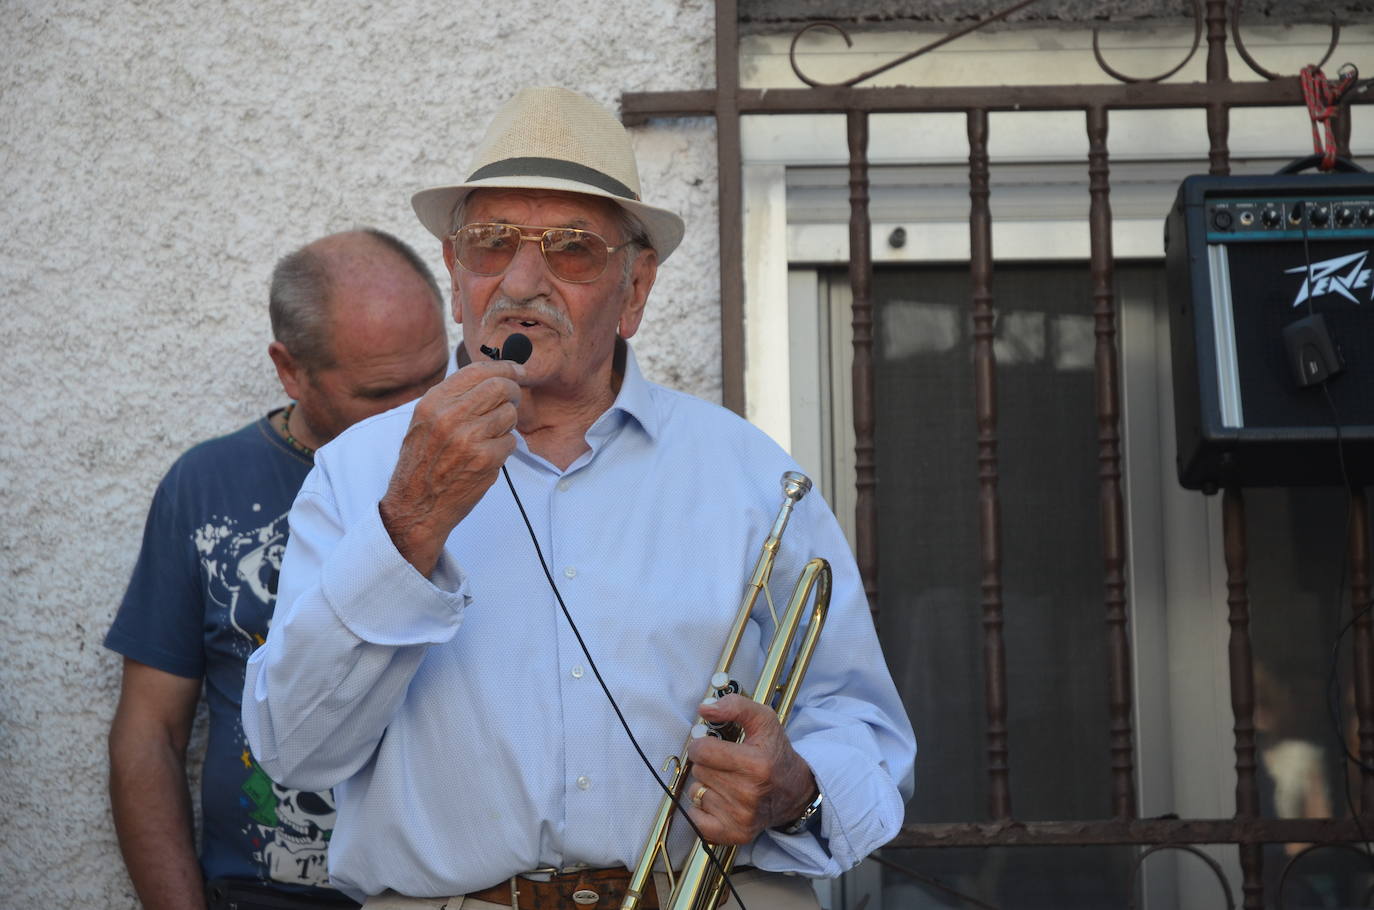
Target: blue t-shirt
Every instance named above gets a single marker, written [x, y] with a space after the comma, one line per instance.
[199, 602]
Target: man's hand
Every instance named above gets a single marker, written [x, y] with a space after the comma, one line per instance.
[750, 786]
[459, 436]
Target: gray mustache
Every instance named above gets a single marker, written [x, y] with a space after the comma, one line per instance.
[544, 311]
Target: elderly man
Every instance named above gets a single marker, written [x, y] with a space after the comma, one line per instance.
[359, 326]
[444, 636]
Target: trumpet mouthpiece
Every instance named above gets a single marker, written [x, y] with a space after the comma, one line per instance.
[795, 485]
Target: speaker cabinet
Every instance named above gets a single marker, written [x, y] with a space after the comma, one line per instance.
[1248, 258]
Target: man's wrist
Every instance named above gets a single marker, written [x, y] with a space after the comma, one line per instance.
[807, 816]
[408, 536]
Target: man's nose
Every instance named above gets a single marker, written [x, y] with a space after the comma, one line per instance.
[528, 273]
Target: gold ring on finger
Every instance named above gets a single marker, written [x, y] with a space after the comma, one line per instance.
[699, 795]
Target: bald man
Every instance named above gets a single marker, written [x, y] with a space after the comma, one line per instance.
[358, 327]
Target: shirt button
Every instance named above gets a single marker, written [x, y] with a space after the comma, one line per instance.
[564, 485]
[584, 783]
[570, 572]
[576, 672]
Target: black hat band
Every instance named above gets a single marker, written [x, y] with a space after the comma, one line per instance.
[555, 168]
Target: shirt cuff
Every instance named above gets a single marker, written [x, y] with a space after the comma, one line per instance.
[381, 598]
[862, 811]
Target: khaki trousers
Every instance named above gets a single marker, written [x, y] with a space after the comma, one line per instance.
[758, 889]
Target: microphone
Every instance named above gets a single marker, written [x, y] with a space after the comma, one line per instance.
[518, 347]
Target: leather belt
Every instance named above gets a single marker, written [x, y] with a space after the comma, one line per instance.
[586, 889]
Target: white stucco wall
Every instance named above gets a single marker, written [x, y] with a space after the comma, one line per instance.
[156, 158]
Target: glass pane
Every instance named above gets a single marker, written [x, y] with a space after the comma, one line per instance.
[1299, 572]
[1052, 573]
[930, 614]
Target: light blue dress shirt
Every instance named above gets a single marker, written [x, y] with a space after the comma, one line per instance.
[458, 720]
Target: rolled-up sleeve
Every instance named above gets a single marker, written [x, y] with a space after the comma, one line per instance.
[354, 620]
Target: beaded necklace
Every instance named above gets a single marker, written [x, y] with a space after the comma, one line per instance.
[286, 431]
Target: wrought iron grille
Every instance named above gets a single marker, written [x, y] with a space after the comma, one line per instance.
[1217, 96]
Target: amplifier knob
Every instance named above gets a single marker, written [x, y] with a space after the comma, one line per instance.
[1367, 215]
[1320, 215]
[1345, 216]
[1270, 216]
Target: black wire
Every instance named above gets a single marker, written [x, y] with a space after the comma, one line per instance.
[1307, 255]
[534, 539]
[1333, 684]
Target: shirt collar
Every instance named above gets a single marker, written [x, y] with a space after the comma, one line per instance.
[635, 400]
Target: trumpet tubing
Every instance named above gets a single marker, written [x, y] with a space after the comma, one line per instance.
[698, 885]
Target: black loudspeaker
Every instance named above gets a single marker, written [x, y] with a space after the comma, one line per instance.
[1271, 320]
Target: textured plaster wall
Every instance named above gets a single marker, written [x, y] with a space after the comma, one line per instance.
[156, 158]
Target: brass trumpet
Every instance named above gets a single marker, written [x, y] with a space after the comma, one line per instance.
[698, 885]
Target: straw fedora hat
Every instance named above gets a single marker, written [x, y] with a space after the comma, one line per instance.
[550, 138]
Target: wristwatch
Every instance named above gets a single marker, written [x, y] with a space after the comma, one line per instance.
[803, 821]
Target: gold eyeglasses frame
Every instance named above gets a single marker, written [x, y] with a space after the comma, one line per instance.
[534, 233]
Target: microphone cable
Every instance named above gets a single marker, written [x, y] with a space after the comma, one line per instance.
[520, 352]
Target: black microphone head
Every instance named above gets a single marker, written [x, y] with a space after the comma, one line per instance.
[518, 348]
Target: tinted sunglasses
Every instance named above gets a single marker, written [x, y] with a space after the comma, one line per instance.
[487, 248]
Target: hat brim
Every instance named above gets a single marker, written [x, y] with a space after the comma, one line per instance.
[435, 207]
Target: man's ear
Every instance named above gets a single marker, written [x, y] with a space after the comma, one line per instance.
[642, 275]
[451, 261]
[289, 370]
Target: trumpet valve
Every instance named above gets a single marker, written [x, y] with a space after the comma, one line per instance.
[722, 685]
[730, 732]
[719, 729]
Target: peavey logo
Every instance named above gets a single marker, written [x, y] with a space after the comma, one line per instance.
[1326, 277]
